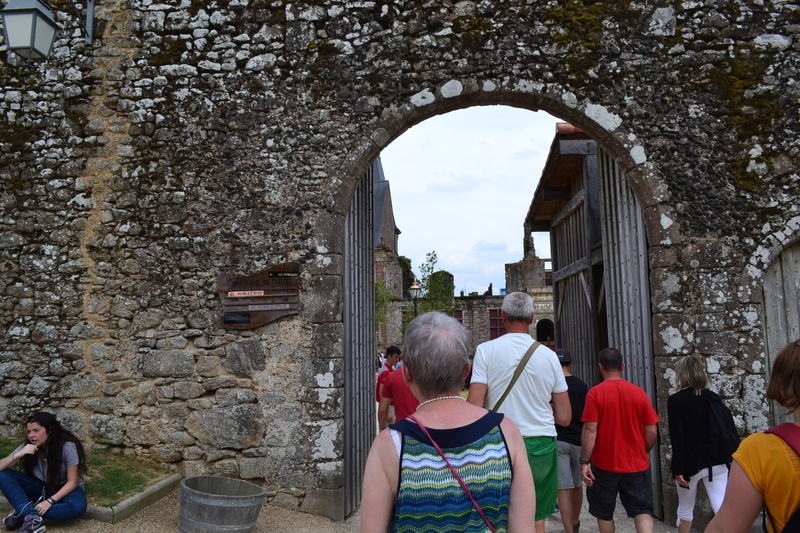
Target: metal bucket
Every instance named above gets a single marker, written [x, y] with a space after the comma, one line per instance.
[215, 504]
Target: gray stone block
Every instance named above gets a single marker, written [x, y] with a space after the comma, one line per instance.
[107, 429]
[245, 358]
[327, 503]
[80, 385]
[238, 427]
[168, 363]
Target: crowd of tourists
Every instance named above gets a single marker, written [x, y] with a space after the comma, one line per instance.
[524, 440]
[529, 435]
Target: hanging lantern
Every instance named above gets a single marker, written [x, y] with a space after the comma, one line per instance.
[29, 27]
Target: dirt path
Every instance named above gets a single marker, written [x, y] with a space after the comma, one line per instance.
[162, 517]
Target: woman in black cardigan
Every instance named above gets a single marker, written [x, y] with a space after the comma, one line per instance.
[688, 430]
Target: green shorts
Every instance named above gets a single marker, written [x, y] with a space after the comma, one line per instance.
[543, 458]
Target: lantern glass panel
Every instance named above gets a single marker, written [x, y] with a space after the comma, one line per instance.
[18, 28]
[45, 35]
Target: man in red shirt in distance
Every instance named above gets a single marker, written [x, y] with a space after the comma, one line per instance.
[396, 391]
[392, 357]
[619, 429]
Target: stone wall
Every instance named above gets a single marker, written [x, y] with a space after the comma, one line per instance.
[198, 138]
[475, 312]
[388, 269]
[542, 304]
[528, 272]
[475, 316]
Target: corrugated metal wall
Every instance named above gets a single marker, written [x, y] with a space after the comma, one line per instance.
[627, 287]
[359, 340]
[781, 311]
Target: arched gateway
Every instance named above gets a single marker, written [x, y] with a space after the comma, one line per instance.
[199, 139]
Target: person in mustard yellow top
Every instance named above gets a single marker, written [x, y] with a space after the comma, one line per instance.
[765, 470]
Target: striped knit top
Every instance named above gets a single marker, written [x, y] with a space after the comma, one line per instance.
[430, 499]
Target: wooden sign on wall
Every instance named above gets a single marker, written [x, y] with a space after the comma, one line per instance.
[252, 301]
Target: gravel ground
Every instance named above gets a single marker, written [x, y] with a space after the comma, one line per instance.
[163, 516]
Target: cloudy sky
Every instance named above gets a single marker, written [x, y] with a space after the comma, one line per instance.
[462, 184]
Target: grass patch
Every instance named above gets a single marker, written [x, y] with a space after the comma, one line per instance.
[112, 477]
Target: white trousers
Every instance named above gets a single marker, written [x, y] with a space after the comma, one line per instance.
[715, 490]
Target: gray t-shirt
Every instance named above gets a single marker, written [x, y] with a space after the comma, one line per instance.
[69, 457]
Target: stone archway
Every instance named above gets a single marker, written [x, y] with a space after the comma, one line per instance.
[450, 95]
[545, 331]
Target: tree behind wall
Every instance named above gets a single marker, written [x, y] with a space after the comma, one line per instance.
[437, 290]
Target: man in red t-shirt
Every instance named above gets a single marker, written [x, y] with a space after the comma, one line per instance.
[619, 429]
[397, 392]
[392, 357]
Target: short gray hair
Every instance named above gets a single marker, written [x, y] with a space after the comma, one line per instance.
[518, 306]
[436, 353]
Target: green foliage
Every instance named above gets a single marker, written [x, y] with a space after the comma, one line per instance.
[580, 29]
[581, 25]
[437, 287]
[112, 477]
[474, 31]
[324, 48]
[7, 446]
[437, 290]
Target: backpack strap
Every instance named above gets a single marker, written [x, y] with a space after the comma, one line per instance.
[790, 434]
[793, 524]
[517, 372]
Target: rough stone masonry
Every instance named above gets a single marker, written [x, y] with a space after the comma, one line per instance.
[226, 136]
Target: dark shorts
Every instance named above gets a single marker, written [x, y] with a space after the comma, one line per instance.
[634, 490]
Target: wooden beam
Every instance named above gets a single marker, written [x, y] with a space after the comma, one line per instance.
[539, 225]
[579, 147]
[572, 269]
[555, 193]
[571, 206]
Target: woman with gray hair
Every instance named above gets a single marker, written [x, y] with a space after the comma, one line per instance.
[452, 467]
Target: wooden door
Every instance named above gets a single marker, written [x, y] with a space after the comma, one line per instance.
[781, 291]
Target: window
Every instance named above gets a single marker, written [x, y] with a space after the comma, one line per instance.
[459, 315]
[496, 327]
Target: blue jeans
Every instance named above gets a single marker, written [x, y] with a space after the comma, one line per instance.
[22, 491]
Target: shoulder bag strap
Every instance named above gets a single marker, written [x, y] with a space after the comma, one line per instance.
[791, 436]
[453, 470]
[789, 433]
[517, 373]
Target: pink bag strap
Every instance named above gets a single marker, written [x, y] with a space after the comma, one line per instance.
[453, 470]
[789, 433]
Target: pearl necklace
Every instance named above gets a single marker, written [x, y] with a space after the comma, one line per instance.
[441, 398]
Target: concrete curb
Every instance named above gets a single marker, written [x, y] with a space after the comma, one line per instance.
[127, 507]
